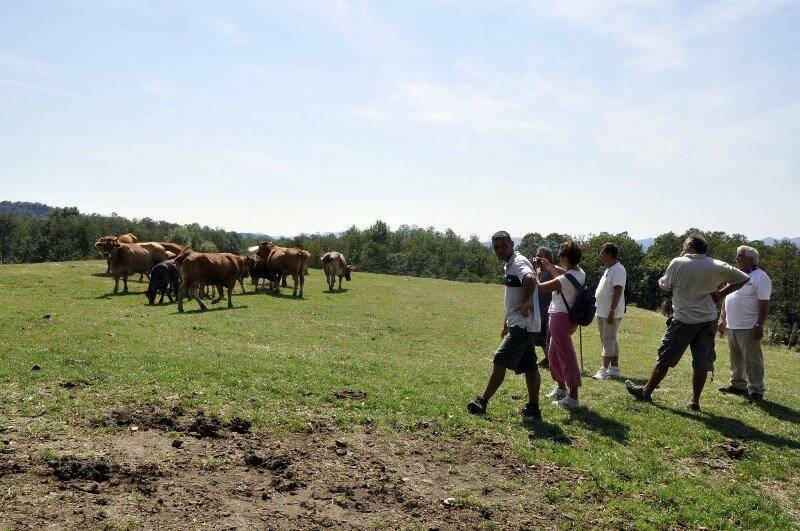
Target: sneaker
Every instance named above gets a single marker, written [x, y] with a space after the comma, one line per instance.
[637, 391]
[477, 406]
[755, 397]
[693, 406]
[531, 411]
[601, 374]
[557, 393]
[731, 390]
[614, 372]
[568, 403]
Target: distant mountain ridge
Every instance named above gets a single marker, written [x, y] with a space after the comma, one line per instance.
[645, 243]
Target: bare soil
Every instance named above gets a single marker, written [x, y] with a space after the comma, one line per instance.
[170, 470]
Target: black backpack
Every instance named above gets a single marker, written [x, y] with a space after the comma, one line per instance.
[583, 311]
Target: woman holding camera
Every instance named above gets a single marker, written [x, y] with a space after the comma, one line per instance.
[561, 355]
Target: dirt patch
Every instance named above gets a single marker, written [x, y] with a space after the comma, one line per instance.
[203, 426]
[144, 416]
[322, 477]
[239, 425]
[350, 394]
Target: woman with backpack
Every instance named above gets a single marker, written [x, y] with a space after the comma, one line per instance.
[568, 282]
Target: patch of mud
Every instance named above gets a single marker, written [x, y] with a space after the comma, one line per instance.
[350, 394]
[203, 426]
[239, 425]
[144, 416]
[322, 478]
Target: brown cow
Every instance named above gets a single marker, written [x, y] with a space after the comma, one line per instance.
[173, 247]
[218, 269]
[285, 261]
[335, 265]
[105, 244]
[127, 259]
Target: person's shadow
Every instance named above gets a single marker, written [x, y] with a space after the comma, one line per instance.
[605, 426]
[734, 428]
[779, 411]
[540, 429]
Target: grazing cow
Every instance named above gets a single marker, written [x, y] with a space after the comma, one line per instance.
[258, 269]
[283, 261]
[218, 269]
[105, 244]
[335, 265]
[127, 259]
[164, 279]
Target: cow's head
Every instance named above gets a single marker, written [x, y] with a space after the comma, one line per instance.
[347, 271]
[183, 256]
[151, 296]
[264, 249]
[104, 244]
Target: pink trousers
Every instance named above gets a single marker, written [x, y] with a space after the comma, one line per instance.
[561, 356]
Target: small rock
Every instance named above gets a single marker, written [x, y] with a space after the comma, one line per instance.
[36, 368]
[134, 428]
[177, 443]
[46, 316]
[449, 502]
[341, 444]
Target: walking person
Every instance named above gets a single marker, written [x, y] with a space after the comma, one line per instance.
[610, 297]
[521, 322]
[543, 337]
[561, 355]
[744, 313]
[693, 279]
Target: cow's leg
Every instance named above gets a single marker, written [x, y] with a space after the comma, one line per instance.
[241, 283]
[295, 281]
[161, 300]
[141, 276]
[219, 294]
[283, 280]
[125, 281]
[116, 283]
[231, 287]
[197, 298]
[108, 263]
[340, 283]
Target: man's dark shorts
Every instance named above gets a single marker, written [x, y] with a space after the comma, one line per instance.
[680, 336]
[516, 351]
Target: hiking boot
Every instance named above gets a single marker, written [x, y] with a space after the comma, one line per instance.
[637, 391]
[477, 406]
[731, 390]
[568, 403]
[693, 406]
[755, 397]
[614, 372]
[601, 374]
[531, 411]
[557, 393]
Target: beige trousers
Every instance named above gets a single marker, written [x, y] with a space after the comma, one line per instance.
[747, 361]
[608, 336]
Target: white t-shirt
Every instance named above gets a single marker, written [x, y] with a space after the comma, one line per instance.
[568, 289]
[741, 306]
[612, 276]
[515, 270]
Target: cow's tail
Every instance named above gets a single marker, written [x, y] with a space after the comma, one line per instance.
[306, 259]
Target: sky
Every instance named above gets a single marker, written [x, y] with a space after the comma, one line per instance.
[296, 116]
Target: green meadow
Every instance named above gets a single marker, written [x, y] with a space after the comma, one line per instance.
[419, 349]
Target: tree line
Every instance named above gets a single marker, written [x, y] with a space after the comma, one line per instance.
[409, 250]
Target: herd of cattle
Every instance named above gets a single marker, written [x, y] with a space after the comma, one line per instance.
[177, 270]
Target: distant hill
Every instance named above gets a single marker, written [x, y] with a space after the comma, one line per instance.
[647, 242]
[26, 209]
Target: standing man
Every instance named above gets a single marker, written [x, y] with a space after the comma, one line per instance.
[521, 321]
[610, 296]
[543, 336]
[693, 278]
[743, 316]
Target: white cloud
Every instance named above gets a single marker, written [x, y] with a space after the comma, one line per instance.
[230, 33]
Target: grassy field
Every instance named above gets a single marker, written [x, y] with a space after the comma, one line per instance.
[418, 349]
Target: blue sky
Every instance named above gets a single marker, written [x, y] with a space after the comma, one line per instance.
[291, 116]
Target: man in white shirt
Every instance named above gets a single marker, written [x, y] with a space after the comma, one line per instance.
[610, 301]
[521, 322]
[694, 280]
[742, 321]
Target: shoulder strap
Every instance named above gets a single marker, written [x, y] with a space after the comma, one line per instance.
[574, 281]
